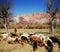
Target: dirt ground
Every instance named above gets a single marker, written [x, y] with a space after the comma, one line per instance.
[5, 47]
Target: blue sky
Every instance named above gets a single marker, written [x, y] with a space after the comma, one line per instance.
[20, 7]
[28, 6]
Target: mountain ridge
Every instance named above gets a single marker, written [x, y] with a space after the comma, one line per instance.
[34, 18]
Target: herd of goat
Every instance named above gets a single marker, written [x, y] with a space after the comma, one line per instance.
[33, 39]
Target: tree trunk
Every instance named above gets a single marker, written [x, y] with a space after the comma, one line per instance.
[5, 25]
[55, 23]
[51, 27]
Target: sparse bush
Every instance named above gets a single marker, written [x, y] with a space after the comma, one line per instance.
[31, 26]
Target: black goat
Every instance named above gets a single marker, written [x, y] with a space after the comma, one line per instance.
[23, 38]
[55, 39]
[49, 46]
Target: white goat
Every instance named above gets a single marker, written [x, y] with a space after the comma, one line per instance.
[42, 36]
[11, 39]
[5, 35]
[25, 35]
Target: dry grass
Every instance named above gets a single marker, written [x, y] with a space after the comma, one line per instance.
[5, 47]
[26, 30]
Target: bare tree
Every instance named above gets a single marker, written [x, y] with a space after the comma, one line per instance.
[5, 6]
[52, 9]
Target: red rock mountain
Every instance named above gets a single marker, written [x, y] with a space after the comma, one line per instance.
[33, 18]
